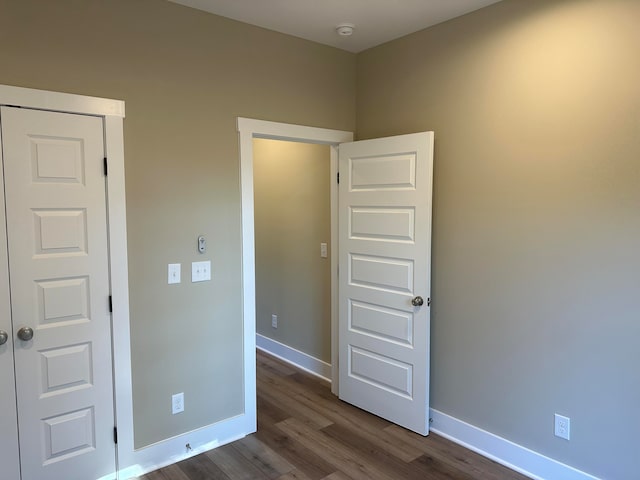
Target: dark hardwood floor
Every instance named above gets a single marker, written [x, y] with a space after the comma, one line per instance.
[304, 432]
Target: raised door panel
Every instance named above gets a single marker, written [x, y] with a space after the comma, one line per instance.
[58, 260]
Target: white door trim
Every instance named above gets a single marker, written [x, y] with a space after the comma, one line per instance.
[60, 102]
[112, 112]
[249, 129]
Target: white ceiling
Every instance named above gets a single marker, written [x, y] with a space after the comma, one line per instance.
[376, 21]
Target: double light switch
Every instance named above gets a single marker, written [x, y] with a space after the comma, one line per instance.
[201, 271]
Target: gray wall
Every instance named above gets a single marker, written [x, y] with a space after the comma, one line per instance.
[185, 76]
[536, 266]
[292, 218]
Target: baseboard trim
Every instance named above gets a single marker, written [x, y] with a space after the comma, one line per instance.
[505, 452]
[295, 357]
[174, 450]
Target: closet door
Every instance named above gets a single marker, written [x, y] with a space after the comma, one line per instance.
[59, 284]
[9, 460]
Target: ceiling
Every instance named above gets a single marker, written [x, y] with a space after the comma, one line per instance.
[376, 21]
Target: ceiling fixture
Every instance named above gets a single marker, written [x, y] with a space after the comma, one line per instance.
[345, 29]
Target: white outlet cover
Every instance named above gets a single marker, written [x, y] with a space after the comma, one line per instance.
[177, 403]
[562, 426]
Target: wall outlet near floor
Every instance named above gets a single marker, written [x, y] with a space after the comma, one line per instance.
[274, 321]
[177, 403]
[562, 427]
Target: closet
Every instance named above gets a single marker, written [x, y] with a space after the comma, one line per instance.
[56, 367]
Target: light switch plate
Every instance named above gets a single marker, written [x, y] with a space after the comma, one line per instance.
[174, 273]
[200, 271]
[323, 250]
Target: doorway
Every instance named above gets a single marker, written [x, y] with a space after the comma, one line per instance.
[248, 130]
[293, 259]
[384, 217]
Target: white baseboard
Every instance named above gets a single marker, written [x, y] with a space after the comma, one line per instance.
[174, 449]
[295, 357]
[505, 452]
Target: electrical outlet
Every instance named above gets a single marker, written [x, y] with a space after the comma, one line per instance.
[177, 403]
[274, 321]
[562, 427]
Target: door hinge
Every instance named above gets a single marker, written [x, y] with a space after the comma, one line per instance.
[428, 302]
[338, 178]
[115, 435]
[110, 304]
[105, 166]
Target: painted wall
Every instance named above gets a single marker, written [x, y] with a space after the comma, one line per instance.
[536, 111]
[185, 76]
[535, 106]
[292, 217]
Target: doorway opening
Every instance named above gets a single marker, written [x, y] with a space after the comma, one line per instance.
[293, 260]
[249, 129]
[384, 217]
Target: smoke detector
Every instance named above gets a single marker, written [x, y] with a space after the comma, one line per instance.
[345, 29]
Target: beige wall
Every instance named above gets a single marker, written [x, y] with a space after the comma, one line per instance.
[185, 76]
[536, 107]
[292, 218]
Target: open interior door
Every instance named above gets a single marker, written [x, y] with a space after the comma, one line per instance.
[385, 194]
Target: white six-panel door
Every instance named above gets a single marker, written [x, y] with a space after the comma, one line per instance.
[59, 284]
[385, 263]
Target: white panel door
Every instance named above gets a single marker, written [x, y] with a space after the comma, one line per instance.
[59, 283]
[9, 460]
[385, 270]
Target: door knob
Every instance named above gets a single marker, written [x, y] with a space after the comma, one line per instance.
[417, 301]
[25, 334]
[3, 337]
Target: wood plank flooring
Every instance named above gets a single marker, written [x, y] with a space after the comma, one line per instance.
[305, 433]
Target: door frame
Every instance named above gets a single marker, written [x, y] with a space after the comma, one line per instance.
[248, 129]
[112, 113]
